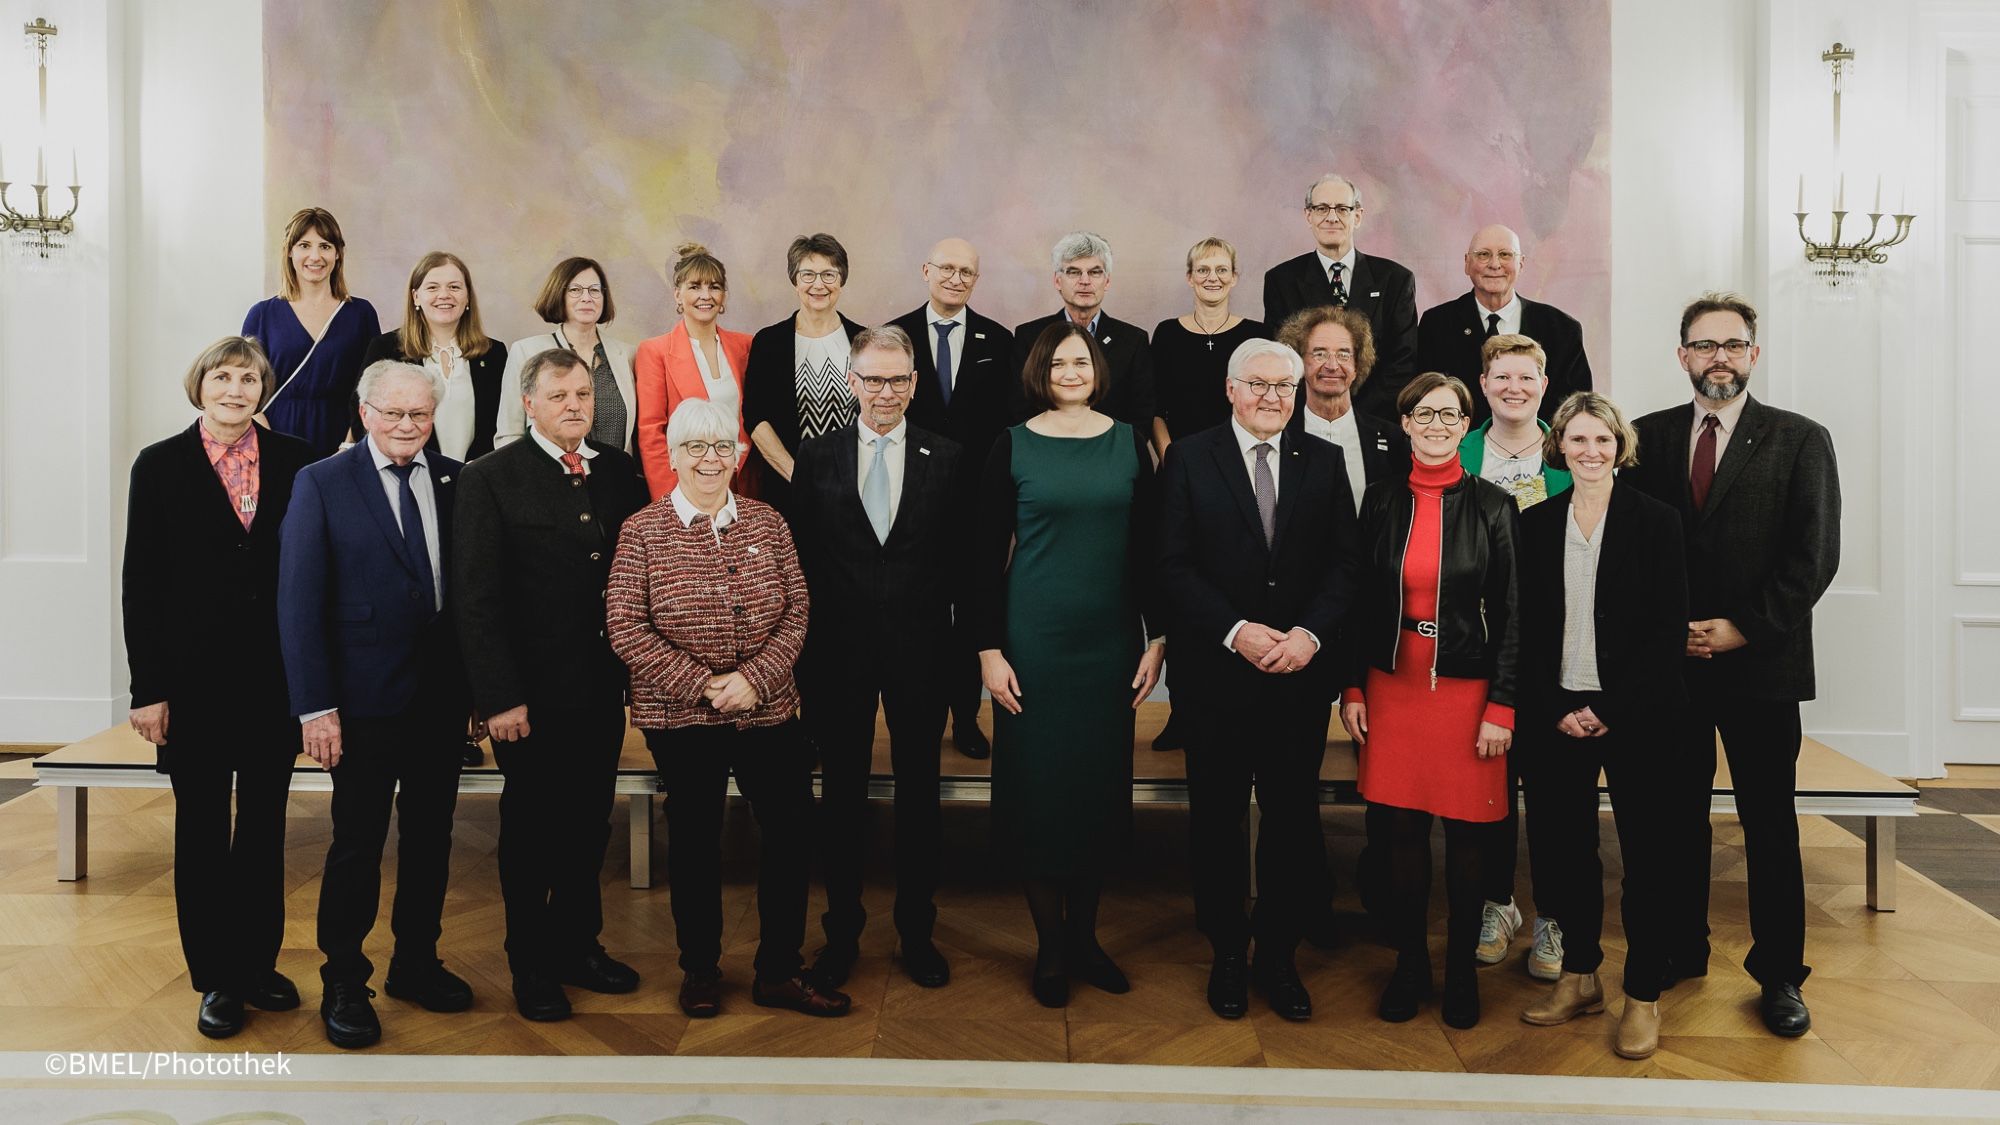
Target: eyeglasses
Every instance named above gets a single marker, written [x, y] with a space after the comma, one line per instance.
[1094, 273]
[1505, 257]
[395, 417]
[873, 384]
[964, 273]
[1321, 355]
[1259, 388]
[1449, 415]
[1212, 271]
[699, 449]
[579, 292]
[819, 277]
[1321, 212]
[1736, 349]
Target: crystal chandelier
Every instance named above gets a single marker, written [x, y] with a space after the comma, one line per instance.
[39, 230]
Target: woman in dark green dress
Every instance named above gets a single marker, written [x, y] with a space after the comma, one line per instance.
[1066, 540]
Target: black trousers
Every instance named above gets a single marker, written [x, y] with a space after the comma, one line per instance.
[229, 878]
[1761, 737]
[773, 769]
[410, 761]
[1280, 761]
[961, 679]
[555, 820]
[1503, 847]
[1561, 778]
[840, 712]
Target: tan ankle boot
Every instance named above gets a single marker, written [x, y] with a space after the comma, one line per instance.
[1575, 994]
[1639, 1029]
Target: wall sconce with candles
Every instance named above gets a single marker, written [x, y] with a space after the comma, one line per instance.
[40, 231]
[1840, 262]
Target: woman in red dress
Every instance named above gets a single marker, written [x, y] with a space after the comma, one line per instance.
[1431, 701]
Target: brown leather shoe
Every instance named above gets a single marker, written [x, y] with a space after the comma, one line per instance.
[1575, 994]
[800, 995]
[701, 994]
[1638, 1029]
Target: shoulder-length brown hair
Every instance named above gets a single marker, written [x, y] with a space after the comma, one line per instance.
[231, 351]
[321, 220]
[1035, 373]
[550, 303]
[415, 337]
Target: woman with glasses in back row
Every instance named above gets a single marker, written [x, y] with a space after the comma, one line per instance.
[796, 387]
[576, 299]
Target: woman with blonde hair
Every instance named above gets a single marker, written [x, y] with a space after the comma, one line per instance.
[442, 333]
[698, 359]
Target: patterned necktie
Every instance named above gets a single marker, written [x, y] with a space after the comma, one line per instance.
[1702, 473]
[1339, 286]
[1267, 491]
[875, 491]
[413, 529]
[573, 463]
[1492, 325]
[944, 328]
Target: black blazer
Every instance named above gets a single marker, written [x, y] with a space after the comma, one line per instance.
[533, 557]
[1450, 335]
[869, 595]
[1385, 448]
[771, 394]
[200, 594]
[1640, 614]
[1215, 569]
[980, 397]
[1380, 289]
[1130, 398]
[484, 368]
[1764, 547]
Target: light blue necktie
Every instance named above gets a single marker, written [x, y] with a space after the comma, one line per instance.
[875, 491]
[944, 328]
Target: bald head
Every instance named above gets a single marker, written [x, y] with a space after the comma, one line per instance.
[1493, 262]
[951, 271]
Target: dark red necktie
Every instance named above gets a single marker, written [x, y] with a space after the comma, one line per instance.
[1702, 473]
[573, 461]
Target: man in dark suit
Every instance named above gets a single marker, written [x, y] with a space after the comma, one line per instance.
[372, 663]
[1082, 263]
[878, 515]
[537, 527]
[1450, 335]
[1334, 273]
[1758, 492]
[966, 373]
[1256, 569]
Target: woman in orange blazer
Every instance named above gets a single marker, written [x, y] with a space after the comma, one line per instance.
[698, 359]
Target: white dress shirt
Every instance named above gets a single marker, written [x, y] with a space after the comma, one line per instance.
[1579, 652]
[1510, 314]
[556, 451]
[957, 338]
[1346, 267]
[894, 457]
[1344, 433]
[685, 509]
[721, 386]
[456, 413]
[1726, 417]
[1248, 443]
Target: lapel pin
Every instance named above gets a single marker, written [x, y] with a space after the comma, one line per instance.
[922, 450]
[1468, 332]
[444, 480]
[979, 335]
[1375, 293]
[1107, 339]
[751, 550]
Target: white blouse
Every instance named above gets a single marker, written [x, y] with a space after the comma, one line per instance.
[1579, 659]
[456, 413]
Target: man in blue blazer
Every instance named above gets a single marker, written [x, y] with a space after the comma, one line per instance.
[373, 666]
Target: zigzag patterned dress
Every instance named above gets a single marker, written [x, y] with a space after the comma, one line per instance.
[820, 374]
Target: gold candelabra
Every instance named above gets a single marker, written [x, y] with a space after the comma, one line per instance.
[1840, 262]
[41, 231]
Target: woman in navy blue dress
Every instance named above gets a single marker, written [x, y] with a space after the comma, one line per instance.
[315, 335]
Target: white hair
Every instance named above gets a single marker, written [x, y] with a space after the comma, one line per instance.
[396, 369]
[1080, 244]
[1332, 178]
[1256, 348]
[697, 419]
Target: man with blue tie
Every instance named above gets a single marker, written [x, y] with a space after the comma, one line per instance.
[372, 662]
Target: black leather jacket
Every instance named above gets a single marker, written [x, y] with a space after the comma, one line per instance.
[1478, 629]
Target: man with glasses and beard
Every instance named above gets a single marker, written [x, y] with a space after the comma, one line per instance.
[1759, 499]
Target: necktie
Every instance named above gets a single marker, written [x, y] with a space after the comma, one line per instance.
[1492, 325]
[1267, 491]
[413, 528]
[944, 328]
[1702, 473]
[573, 463]
[1339, 286]
[875, 491]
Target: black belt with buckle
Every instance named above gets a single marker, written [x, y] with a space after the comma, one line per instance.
[1421, 628]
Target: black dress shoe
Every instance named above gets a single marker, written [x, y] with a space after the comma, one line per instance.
[1283, 990]
[472, 756]
[1461, 1000]
[1322, 932]
[970, 740]
[349, 1018]
[1229, 985]
[925, 965]
[836, 963]
[540, 998]
[273, 992]
[1688, 967]
[701, 994]
[598, 971]
[1405, 994]
[1095, 968]
[1784, 1010]
[1051, 989]
[221, 1015]
[434, 989]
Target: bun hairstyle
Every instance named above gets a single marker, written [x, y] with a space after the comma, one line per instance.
[693, 262]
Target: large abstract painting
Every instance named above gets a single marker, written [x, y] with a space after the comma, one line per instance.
[517, 133]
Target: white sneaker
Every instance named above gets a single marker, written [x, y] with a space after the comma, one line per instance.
[1498, 924]
[1545, 959]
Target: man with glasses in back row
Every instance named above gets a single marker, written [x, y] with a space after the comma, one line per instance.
[1082, 263]
[1335, 273]
[1451, 335]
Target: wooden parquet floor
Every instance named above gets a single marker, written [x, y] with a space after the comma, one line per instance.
[1910, 998]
